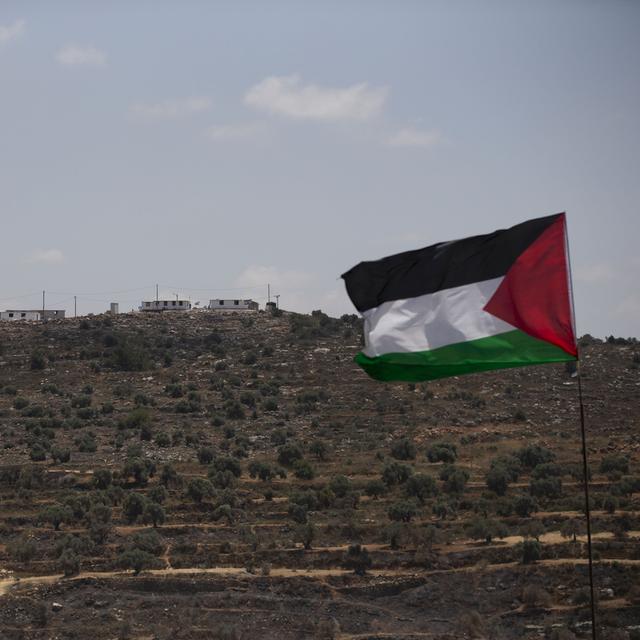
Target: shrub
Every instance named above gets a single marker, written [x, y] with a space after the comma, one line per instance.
[532, 529]
[298, 513]
[441, 509]
[509, 463]
[442, 452]
[233, 410]
[486, 529]
[69, 563]
[357, 559]
[403, 449]
[270, 405]
[548, 470]
[306, 534]
[198, 489]
[158, 494]
[550, 488]
[249, 358]
[455, 479]
[20, 403]
[498, 480]
[130, 355]
[225, 463]
[154, 513]
[133, 506]
[170, 476]
[531, 551]
[55, 515]
[614, 464]
[289, 453]
[59, 455]
[38, 361]
[524, 505]
[421, 486]
[319, 449]
[138, 468]
[610, 503]
[38, 453]
[163, 439]
[205, 455]
[396, 473]
[102, 478]
[248, 399]
[174, 390]
[571, 528]
[532, 455]
[136, 559]
[403, 511]
[136, 418]
[340, 486]
[375, 488]
[261, 470]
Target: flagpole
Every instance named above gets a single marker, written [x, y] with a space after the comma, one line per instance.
[585, 464]
[585, 469]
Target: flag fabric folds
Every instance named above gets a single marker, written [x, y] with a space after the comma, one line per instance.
[485, 302]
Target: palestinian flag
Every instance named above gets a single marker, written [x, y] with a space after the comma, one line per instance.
[486, 302]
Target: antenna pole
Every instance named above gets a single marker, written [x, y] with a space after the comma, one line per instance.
[268, 293]
[156, 295]
[75, 306]
[43, 306]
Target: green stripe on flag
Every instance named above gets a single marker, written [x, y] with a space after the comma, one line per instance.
[511, 349]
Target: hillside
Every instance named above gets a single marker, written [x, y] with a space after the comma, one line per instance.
[221, 475]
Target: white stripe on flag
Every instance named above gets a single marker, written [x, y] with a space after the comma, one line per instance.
[432, 320]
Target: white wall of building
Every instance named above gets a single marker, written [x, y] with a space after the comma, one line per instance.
[233, 304]
[12, 315]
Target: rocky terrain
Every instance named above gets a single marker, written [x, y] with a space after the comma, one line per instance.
[235, 475]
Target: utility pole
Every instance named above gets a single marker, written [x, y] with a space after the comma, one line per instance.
[75, 306]
[268, 293]
[277, 297]
[156, 295]
[43, 306]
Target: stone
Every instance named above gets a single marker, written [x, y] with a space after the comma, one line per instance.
[56, 606]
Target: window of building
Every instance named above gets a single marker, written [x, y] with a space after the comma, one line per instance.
[220, 301]
[236, 302]
[23, 315]
[147, 304]
[173, 302]
[166, 303]
[11, 315]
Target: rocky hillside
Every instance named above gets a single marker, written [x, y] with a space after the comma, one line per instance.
[259, 483]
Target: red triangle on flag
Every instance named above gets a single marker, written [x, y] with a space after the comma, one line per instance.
[534, 295]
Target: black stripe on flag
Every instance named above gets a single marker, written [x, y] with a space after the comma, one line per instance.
[441, 266]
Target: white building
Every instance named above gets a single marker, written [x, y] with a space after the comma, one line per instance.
[13, 314]
[165, 305]
[233, 305]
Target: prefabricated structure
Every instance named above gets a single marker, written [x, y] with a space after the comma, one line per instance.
[233, 305]
[165, 305]
[13, 315]
[33, 314]
[114, 308]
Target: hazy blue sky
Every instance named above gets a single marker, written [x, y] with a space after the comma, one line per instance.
[216, 147]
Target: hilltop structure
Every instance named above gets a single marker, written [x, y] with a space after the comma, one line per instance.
[165, 305]
[32, 314]
[233, 305]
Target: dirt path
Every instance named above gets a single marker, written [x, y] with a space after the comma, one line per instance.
[10, 584]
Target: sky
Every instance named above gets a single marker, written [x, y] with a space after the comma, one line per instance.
[217, 147]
